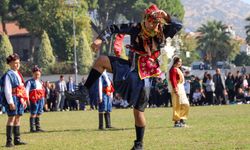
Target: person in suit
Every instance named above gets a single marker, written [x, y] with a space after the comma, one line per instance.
[61, 88]
[72, 104]
[220, 88]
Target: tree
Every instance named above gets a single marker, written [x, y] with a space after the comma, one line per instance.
[85, 56]
[5, 50]
[242, 59]
[189, 44]
[247, 27]
[54, 17]
[164, 62]
[4, 13]
[45, 57]
[214, 42]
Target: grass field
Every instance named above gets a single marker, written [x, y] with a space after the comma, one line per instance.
[210, 128]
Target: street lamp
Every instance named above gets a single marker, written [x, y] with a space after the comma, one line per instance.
[73, 4]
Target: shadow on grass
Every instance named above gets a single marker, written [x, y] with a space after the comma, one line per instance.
[88, 130]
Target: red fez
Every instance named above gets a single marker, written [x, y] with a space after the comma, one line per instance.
[151, 9]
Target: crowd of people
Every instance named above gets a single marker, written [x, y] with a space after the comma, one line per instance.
[230, 89]
[218, 89]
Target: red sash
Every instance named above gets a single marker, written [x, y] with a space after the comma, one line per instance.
[35, 95]
[109, 90]
[20, 92]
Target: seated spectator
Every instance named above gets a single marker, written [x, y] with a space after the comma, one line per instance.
[240, 96]
[198, 97]
[247, 96]
[117, 100]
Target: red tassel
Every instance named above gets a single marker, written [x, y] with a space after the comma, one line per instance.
[118, 44]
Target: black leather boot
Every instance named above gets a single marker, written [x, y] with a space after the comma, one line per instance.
[137, 146]
[32, 125]
[38, 127]
[17, 140]
[101, 121]
[107, 120]
[9, 131]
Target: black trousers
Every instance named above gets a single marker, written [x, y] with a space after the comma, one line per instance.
[220, 95]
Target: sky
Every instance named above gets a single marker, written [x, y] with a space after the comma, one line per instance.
[248, 1]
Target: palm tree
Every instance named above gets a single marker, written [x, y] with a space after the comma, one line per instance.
[214, 42]
[247, 27]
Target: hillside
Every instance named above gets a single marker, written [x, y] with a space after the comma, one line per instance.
[231, 12]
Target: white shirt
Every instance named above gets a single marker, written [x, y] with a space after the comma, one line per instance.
[106, 78]
[39, 86]
[62, 85]
[8, 87]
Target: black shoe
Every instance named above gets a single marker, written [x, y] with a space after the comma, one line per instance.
[9, 131]
[9, 144]
[177, 124]
[17, 140]
[137, 146]
[182, 123]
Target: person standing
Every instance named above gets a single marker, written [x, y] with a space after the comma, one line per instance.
[14, 99]
[220, 88]
[209, 85]
[105, 95]
[187, 82]
[180, 101]
[147, 38]
[71, 90]
[52, 98]
[61, 88]
[230, 86]
[36, 94]
[47, 93]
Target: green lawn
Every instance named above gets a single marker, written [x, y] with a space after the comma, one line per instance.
[211, 127]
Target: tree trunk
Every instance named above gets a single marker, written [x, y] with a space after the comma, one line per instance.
[4, 27]
[32, 47]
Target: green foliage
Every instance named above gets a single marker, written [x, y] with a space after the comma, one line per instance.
[242, 59]
[56, 18]
[173, 7]
[164, 63]
[189, 44]
[45, 57]
[84, 53]
[5, 50]
[26, 68]
[62, 68]
[214, 43]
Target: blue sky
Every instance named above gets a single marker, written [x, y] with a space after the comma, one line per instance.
[248, 1]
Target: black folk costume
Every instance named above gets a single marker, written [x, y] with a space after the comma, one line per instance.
[129, 75]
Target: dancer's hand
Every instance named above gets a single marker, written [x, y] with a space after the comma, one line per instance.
[96, 45]
[176, 91]
[100, 100]
[12, 106]
[25, 105]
